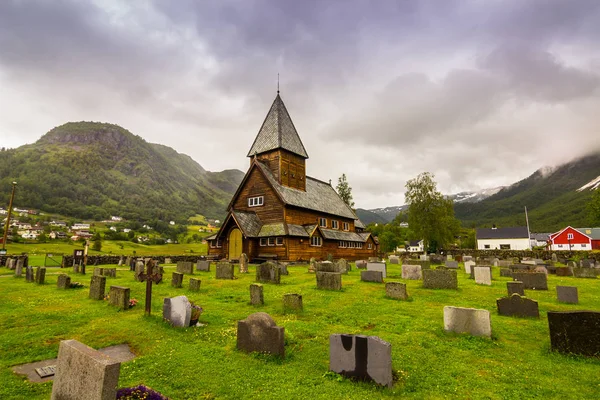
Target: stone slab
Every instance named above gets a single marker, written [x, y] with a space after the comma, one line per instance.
[119, 296]
[576, 332]
[451, 264]
[63, 281]
[97, 287]
[564, 271]
[177, 311]
[518, 306]
[440, 279]
[468, 265]
[567, 294]
[292, 302]
[412, 272]
[203, 265]
[177, 279]
[371, 276]
[256, 294]
[329, 280]
[396, 290]
[185, 267]
[225, 270]
[532, 280]
[515, 287]
[467, 320]
[258, 332]
[483, 276]
[195, 284]
[586, 273]
[377, 266]
[268, 272]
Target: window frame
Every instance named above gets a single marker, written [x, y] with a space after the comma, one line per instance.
[345, 226]
[271, 241]
[335, 224]
[317, 239]
[322, 222]
[262, 242]
[570, 236]
[278, 239]
[256, 201]
[219, 243]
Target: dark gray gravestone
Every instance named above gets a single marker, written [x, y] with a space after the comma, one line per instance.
[371, 276]
[505, 272]
[63, 282]
[567, 294]
[19, 270]
[587, 263]
[119, 296]
[576, 332]
[40, 275]
[329, 280]
[521, 267]
[361, 357]
[195, 284]
[185, 267]
[515, 287]
[515, 305]
[396, 290]
[440, 279]
[97, 287]
[225, 270]
[585, 272]
[203, 265]
[564, 271]
[29, 275]
[425, 264]
[258, 332]
[177, 279]
[268, 272]
[256, 294]
[292, 302]
[532, 280]
[177, 311]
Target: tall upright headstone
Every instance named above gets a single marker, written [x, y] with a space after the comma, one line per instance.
[97, 287]
[243, 264]
[258, 332]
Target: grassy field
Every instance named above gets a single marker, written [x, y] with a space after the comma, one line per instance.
[203, 363]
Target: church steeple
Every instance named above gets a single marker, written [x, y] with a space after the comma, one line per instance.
[280, 148]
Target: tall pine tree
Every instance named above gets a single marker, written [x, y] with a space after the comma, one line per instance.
[344, 190]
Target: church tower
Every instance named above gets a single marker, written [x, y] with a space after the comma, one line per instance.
[279, 147]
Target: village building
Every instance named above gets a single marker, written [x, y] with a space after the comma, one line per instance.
[573, 239]
[280, 213]
[512, 238]
[415, 246]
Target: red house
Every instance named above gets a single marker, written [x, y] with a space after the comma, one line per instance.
[570, 239]
[594, 233]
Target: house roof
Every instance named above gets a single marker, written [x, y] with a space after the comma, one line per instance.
[517, 232]
[298, 230]
[540, 236]
[319, 196]
[359, 224]
[341, 235]
[414, 243]
[276, 229]
[211, 237]
[248, 222]
[593, 233]
[277, 132]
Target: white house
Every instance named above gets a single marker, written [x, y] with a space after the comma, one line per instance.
[415, 246]
[115, 218]
[126, 230]
[513, 238]
[30, 235]
[77, 227]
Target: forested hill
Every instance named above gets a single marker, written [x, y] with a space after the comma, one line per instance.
[555, 197]
[95, 170]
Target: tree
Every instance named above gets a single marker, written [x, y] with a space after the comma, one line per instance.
[97, 242]
[593, 207]
[430, 215]
[344, 190]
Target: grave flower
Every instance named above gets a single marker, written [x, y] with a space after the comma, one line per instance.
[132, 302]
[196, 312]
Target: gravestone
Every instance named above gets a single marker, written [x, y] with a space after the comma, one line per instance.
[504, 263]
[343, 266]
[312, 266]
[506, 272]
[29, 275]
[396, 290]
[177, 311]
[567, 294]
[185, 267]
[394, 259]
[411, 272]
[119, 296]
[532, 280]
[424, 257]
[518, 306]
[521, 267]
[467, 258]
[225, 270]
[449, 257]
[451, 264]
[554, 257]
[258, 332]
[483, 276]
[468, 265]
[139, 270]
[243, 263]
[467, 320]
[84, 373]
[373, 259]
[110, 272]
[365, 358]
[8, 263]
[329, 280]
[425, 264]
[564, 271]
[327, 266]
[440, 279]
[378, 266]
[541, 269]
[576, 332]
[256, 294]
[177, 280]
[20, 263]
[268, 272]
[195, 284]
[515, 287]
[97, 287]
[283, 269]
[19, 271]
[472, 276]
[40, 275]
[203, 265]
[361, 264]
[292, 302]
[167, 260]
[63, 282]
[585, 272]
[587, 263]
[371, 276]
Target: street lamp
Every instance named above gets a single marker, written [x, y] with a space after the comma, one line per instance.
[10, 206]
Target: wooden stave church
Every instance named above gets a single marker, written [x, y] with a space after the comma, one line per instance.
[280, 213]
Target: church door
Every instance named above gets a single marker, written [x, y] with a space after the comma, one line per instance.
[235, 244]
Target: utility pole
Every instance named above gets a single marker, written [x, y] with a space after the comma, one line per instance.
[10, 207]
[528, 233]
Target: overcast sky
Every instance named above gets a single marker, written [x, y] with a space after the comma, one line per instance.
[480, 93]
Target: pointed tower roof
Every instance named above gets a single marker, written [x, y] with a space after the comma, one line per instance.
[278, 131]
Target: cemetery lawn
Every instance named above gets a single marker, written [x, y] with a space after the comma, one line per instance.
[119, 247]
[203, 363]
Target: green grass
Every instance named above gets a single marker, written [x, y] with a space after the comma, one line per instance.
[197, 363]
[108, 247]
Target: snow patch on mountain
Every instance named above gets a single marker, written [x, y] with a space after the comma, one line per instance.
[473, 197]
[592, 185]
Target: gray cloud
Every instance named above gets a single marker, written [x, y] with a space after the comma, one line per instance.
[479, 93]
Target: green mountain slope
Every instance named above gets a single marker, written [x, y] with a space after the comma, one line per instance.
[550, 195]
[368, 216]
[94, 170]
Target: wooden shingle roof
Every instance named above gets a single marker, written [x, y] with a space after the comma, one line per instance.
[277, 132]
